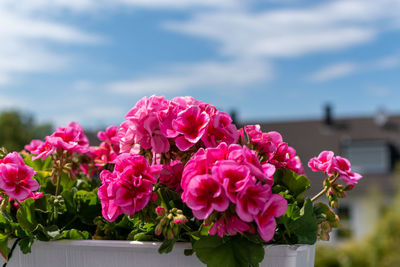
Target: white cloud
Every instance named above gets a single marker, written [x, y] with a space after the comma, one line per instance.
[341, 69]
[334, 71]
[26, 42]
[378, 91]
[292, 32]
[214, 75]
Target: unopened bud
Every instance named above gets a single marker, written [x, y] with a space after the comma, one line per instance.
[170, 234]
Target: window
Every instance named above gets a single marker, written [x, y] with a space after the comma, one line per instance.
[368, 156]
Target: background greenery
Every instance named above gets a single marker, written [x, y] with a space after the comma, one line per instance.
[18, 129]
[380, 249]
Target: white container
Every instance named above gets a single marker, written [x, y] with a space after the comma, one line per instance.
[95, 253]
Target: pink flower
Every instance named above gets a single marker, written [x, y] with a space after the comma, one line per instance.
[252, 200]
[321, 163]
[334, 165]
[128, 189]
[110, 135]
[160, 210]
[228, 224]
[275, 207]
[343, 167]
[285, 157]
[143, 126]
[205, 194]
[70, 138]
[34, 145]
[16, 177]
[233, 176]
[192, 124]
[107, 193]
[220, 130]
[171, 175]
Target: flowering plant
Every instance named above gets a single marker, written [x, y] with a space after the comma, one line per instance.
[176, 170]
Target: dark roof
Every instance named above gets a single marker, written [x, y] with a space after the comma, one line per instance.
[310, 137]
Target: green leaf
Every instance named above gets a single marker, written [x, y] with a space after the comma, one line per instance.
[88, 206]
[235, 252]
[297, 184]
[4, 250]
[167, 246]
[325, 214]
[25, 245]
[305, 227]
[26, 215]
[74, 235]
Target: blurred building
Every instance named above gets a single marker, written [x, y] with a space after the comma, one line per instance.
[372, 145]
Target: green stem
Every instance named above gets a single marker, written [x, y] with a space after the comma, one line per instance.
[325, 189]
[11, 251]
[59, 176]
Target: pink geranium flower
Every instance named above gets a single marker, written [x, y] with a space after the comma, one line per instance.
[16, 177]
[275, 207]
[334, 165]
[203, 195]
[321, 163]
[191, 124]
[128, 189]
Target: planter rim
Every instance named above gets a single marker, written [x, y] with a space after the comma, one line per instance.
[153, 244]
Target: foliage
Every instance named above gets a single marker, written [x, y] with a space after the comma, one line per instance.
[17, 130]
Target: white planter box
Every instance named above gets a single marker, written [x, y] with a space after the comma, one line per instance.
[94, 253]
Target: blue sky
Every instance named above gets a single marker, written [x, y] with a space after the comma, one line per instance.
[91, 60]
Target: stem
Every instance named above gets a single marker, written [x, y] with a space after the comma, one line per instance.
[319, 194]
[59, 176]
[11, 251]
[325, 189]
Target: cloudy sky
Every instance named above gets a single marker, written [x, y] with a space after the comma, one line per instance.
[91, 60]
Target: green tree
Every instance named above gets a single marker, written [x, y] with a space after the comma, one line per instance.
[17, 130]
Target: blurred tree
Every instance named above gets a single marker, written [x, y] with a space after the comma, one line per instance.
[17, 130]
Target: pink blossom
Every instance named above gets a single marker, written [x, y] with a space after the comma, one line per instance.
[228, 224]
[220, 130]
[285, 157]
[252, 200]
[70, 138]
[128, 188]
[34, 145]
[343, 167]
[233, 176]
[143, 126]
[205, 194]
[110, 135]
[192, 124]
[171, 175]
[107, 195]
[275, 207]
[321, 163]
[334, 165]
[160, 210]
[16, 177]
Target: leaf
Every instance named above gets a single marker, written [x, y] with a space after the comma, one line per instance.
[4, 250]
[26, 215]
[166, 246]
[297, 184]
[235, 252]
[305, 227]
[25, 245]
[88, 206]
[324, 213]
[74, 235]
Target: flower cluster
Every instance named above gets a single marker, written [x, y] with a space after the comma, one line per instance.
[155, 123]
[16, 177]
[175, 170]
[231, 181]
[272, 149]
[334, 166]
[128, 188]
[70, 138]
